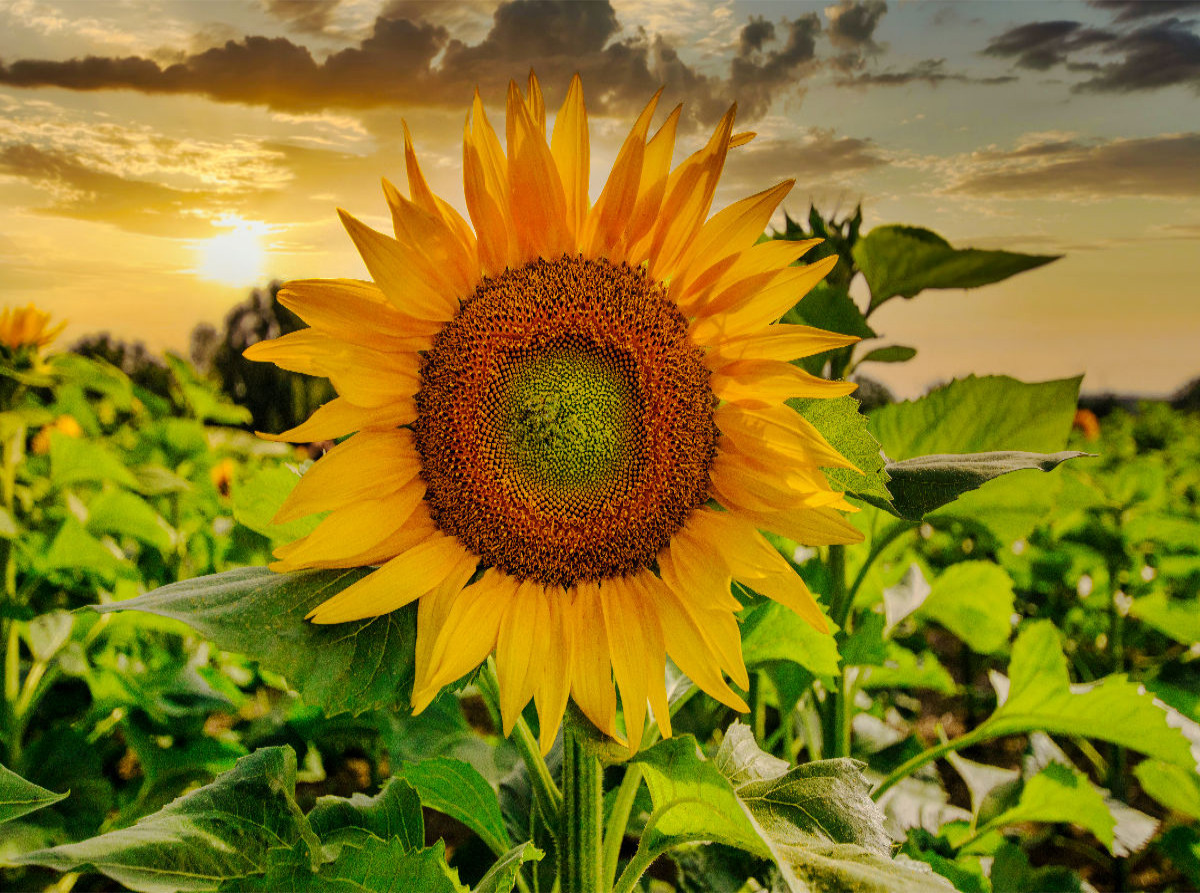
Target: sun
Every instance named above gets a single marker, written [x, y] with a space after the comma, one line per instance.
[236, 257]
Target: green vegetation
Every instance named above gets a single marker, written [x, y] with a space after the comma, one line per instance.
[1009, 703]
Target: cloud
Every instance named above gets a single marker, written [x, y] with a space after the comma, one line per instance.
[817, 159]
[928, 71]
[1151, 56]
[307, 16]
[852, 26]
[1162, 166]
[410, 59]
[1042, 45]
[1132, 10]
[1163, 54]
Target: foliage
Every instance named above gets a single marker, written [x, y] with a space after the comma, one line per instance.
[1021, 616]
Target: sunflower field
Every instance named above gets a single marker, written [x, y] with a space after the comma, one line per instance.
[617, 587]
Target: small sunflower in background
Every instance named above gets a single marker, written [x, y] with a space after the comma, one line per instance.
[571, 419]
[24, 331]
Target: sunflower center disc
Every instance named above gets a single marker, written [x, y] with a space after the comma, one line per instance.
[564, 422]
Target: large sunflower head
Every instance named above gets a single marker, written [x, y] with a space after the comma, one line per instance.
[569, 419]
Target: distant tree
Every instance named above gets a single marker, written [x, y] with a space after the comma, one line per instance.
[1187, 398]
[131, 357]
[277, 399]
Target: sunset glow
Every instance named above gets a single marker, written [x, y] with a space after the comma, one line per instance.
[235, 258]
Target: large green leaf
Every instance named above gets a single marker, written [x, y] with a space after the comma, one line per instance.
[981, 415]
[831, 308]
[974, 600]
[846, 430]
[904, 260]
[1040, 697]
[217, 833]
[926, 483]
[1059, 794]
[395, 812]
[357, 666]
[73, 548]
[1177, 618]
[371, 865]
[827, 801]
[18, 796]
[457, 789]
[694, 801]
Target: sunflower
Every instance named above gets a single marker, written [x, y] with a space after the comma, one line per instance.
[26, 327]
[571, 419]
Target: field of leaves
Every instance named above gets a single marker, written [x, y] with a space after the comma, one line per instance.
[1010, 702]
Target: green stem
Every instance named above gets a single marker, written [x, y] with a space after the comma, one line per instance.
[13, 727]
[928, 756]
[550, 799]
[878, 545]
[618, 820]
[581, 854]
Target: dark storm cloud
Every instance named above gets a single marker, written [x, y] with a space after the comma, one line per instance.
[1159, 55]
[394, 65]
[1042, 45]
[1162, 166]
[928, 71]
[1132, 10]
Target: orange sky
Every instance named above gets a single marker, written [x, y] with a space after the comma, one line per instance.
[157, 159]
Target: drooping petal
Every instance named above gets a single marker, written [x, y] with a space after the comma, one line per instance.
[591, 661]
[433, 610]
[521, 649]
[468, 634]
[634, 642]
[404, 579]
[554, 684]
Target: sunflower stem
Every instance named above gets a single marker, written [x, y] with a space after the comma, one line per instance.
[581, 853]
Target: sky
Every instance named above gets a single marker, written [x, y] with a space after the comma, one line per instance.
[160, 157]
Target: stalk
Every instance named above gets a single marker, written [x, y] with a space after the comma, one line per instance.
[581, 854]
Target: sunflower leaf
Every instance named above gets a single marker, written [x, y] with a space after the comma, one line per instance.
[258, 498]
[1060, 794]
[502, 876]
[19, 797]
[362, 665]
[395, 812]
[215, 834]
[974, 600]
[458, 790]
[1173, 786]
[846, 429]
[902, 261]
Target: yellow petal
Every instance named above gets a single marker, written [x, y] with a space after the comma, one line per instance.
[433, 610]
[652, 186]
[572, 157]
[423, 196]
[554, 686]
[417, 528]
[634, 642]
[691, 565]
[689, 646]
[725, 284]
[689, 196]
[396, 270]
[754, 311]
[778, 342]
[365, 466]
[778, 432]
[469, 633]
[443, 259]
[753, 561]
[521, 650]
[536, 105]
[729, 232]
[352, 528]
[539, 208]
[740, 139]
[356, 311]
[403, 579]
[340, 417]
[485, 211]
[610, 215]
[744, 482]
[591, 675]
[820, 526]
[762, 383]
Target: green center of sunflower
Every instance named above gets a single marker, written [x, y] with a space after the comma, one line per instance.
[568, 417]
[564, 422]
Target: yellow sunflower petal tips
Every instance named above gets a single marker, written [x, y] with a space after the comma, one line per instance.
[571, 420]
